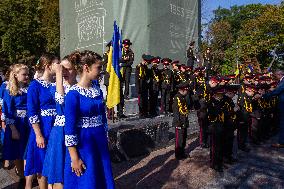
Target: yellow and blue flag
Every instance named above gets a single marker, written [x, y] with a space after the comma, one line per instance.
[113, 68]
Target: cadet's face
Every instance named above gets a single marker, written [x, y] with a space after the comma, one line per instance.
[23, 76]
[230, 94]
[184, 91]
[213, 83]
[250, 92]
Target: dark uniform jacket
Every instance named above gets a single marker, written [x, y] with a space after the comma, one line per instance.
[167, 79]
[127, 61]
[180, 111]
[216, 111]
[141, 78]
[155, 78]
[106, 74]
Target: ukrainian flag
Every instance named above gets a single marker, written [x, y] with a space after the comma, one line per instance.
[113, 68]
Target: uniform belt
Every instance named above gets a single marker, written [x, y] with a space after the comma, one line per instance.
[89, 122]
[21, 113]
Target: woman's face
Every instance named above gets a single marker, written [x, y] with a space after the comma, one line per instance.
[69, 72]
[52, 70]
[23, 76]
[95, 70]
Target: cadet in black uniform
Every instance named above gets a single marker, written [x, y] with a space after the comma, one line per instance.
[190, 55]
[142, 85]
[245, 102]
[231, 122]
[155, 85]
[176, 78]
[167, 85]
[106, 76]
[216, 117]
[126, 62]
[180, 120]
[208, 59]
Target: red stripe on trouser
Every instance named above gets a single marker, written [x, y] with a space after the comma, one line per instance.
[138, 99]
[200, 135]
[176, 138]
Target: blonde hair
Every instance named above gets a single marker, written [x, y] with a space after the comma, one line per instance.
[13, 84]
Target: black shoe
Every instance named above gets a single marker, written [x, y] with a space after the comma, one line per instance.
[245, 149]
[181, 157]
[219, 169]
[122, 116]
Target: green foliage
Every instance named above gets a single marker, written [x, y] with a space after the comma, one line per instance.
[24, 31]
[244, 32]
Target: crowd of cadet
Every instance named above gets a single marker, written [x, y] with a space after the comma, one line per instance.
[245, 104]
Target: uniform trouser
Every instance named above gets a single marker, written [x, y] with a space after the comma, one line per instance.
[203, 127]
[181, 134]
[153, 105]
[190, 63]
[143, 103]
[228, 140]
[256, 129]
[120, 106]
[127, 77]
[243, 134]
[266, 125]
[110, 111]
[281, 127]
[166, 97]
[216, 145]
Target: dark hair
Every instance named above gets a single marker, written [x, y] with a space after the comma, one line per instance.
[44, 60]
[84, 58]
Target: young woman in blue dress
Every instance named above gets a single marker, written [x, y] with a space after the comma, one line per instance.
[41, 109]
[87, 163]
[53, 167]
[15, 110]
[3, 88]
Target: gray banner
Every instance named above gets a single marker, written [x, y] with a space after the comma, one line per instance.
[158, 27]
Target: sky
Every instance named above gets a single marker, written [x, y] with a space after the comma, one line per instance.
[211, 5]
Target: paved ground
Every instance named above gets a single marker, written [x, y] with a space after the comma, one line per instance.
[263, 167]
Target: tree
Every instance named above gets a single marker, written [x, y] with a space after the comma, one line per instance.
[28, 28]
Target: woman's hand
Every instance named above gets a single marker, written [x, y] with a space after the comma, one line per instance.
[40, 141]
[58, 68]
[15, 134]
[78, 167]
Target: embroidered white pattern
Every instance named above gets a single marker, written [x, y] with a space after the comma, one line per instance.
[2, 117]
[48, 112]
[71, 140]
[34, 119]
[44, 83]
[1, 102]
[10, 121]
[23, 90]
[59, 98]
[86, 122]
[21, 113]
[59, 121]
[91, 92]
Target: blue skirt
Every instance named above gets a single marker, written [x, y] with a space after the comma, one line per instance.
[15, 149]
[35, 156]
[53, 166]
[93, 150]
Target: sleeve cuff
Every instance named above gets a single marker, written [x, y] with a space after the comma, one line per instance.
[10, 121]
[34, 119]
[59, 98]
[1, 102]
[3, 117]
[71, 140]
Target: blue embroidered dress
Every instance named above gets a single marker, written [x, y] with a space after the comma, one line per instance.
[85, 128]
[53, 167]
[15, 110]
[2, 91]
[42, 110]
